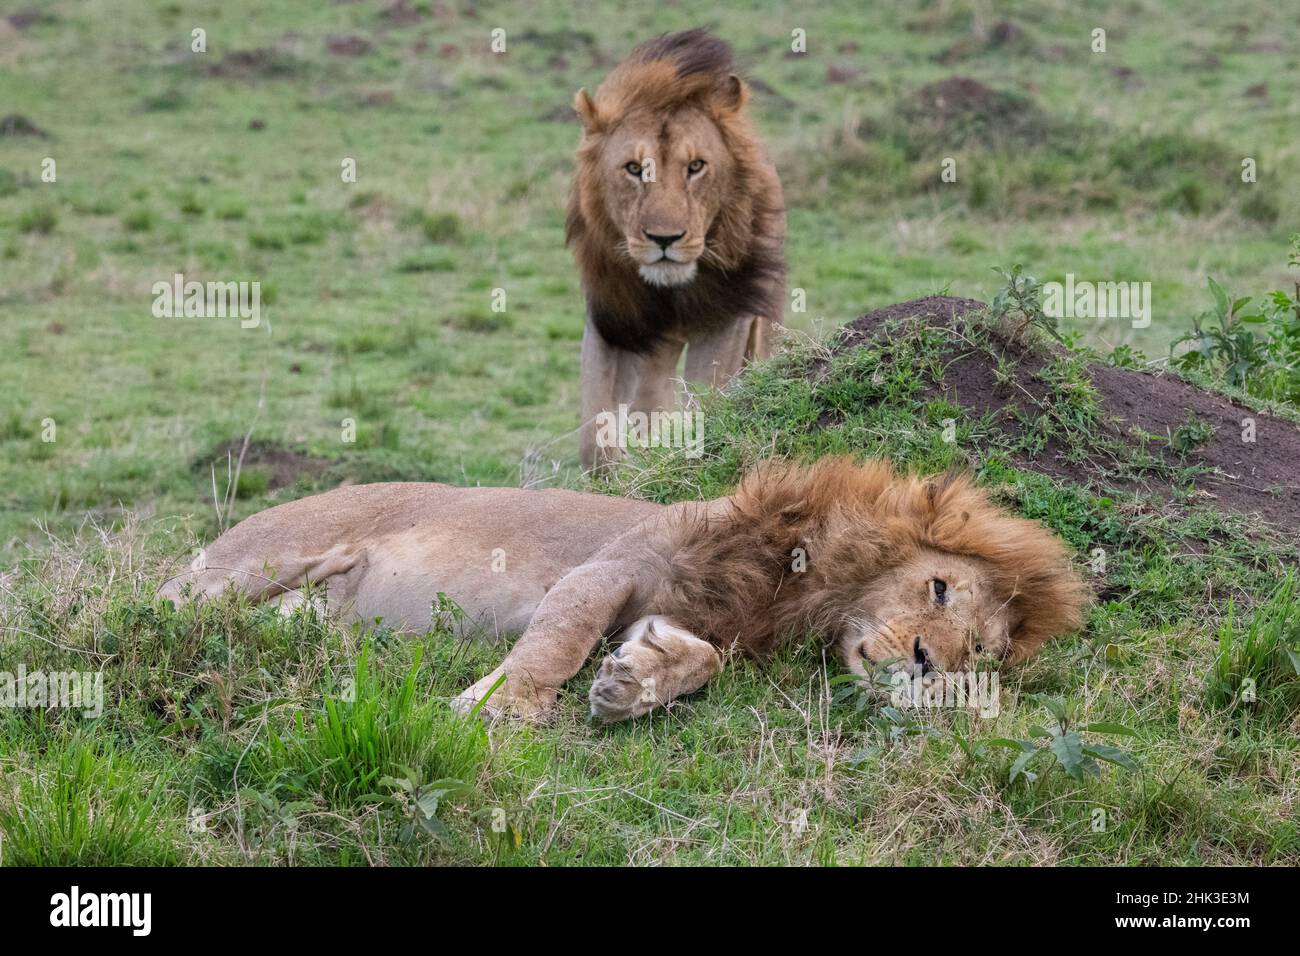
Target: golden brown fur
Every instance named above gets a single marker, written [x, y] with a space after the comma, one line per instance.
[852, 551]
[854, 522]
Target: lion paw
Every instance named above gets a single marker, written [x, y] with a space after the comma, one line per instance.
[657, 663]
[516, 697]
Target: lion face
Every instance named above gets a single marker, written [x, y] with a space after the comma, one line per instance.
[910, 571]
[934, 613]
[664, 179]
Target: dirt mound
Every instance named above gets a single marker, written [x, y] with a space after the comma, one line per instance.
[15, 124]
[348, 44]
[401, 12]
[282, 466]
[1103, 427]
[957, 111]
[263, 63]
[30, 17]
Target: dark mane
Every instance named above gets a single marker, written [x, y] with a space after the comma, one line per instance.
[640, 320]
[691, 51]
[744, 275]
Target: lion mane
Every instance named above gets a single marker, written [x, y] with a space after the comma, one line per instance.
[662, 76]
[731, 579]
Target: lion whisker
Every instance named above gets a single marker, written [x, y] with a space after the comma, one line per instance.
[711, 257]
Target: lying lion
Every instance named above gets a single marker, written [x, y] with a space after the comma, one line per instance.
[919, 574]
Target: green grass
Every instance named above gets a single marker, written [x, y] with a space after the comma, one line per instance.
[88, 805]
[229, 733]
[283, 740]
[376, 729]
[1258, 666]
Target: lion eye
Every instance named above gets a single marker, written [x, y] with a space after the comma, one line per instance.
[634, 168]
[695, 166]
[939, 588]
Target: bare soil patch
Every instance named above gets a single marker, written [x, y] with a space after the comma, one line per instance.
[262, 63]
[283, 466]
[15, 124]
[1260, 477]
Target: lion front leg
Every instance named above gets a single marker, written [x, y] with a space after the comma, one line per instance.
[716, 358]
[599, 383]
[618, 386]
[657, 663]
[576, 613]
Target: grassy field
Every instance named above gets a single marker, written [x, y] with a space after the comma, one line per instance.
[230, 735]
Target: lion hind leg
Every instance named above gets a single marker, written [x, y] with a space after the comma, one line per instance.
[314, 595]
[259, 572]
[657, 663]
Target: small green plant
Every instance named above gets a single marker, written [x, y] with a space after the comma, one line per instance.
[38, 219]
[441, 227]
[252, 482]
[1021, 295]
[190, 204]
[1190, 435]
[446, 614]
[427, 260]
[895, 725]
[93, 807]
[419, 802]
[480, 320]
[1221, 338]
[1125, 356]
[373, 726]
[266, 816]
[231, 210]
[1256, 348]
[862, 692]
[267, 240]
[1073, 401]
[140, 219]
[166, 101]
[1059, 745]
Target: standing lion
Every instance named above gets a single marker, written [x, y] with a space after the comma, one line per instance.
[677, 223]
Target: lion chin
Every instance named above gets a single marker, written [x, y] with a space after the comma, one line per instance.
[666, 274]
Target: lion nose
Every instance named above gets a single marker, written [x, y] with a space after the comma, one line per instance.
[922, 657]
[663, 241]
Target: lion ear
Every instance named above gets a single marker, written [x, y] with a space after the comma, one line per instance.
[1019, 650]
[585, 107]
[1023, 641]
[732, 93]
